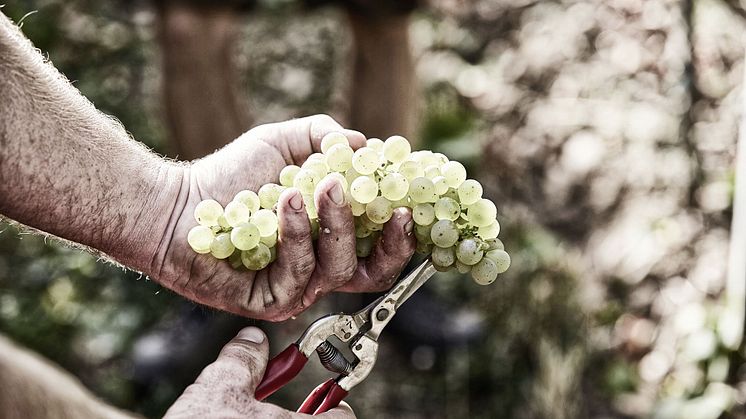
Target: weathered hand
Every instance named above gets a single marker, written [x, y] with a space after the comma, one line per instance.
[301, 274]
[225, 388]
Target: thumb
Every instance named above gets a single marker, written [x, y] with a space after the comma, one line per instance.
[343, 411]
[240, 364]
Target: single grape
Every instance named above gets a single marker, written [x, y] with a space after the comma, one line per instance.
[266, 221]
[270, 240]
[310, 206]
[423, 214]
[207, 212]
[245, 236]
[422, 233]
[364, 246]
[447, 209]
[236, 213]
[450, 193]
[362, 231]
[375, 144]
[394, 186]
[444, 233]
[370, 224]
[364, 189]
[443, 256]
[200, 238]
[489, 232]
[422, 190]
[396, 149]
[432, 171]
[317, 166]
[365, 161]
[269, 194]
[404, 202]
[482, 213]
[495, 244]
[306, 181]
[454, 172]
[357, 208]
[461, 268]
[339, 157]
[287, 175]
[257, 258]
[316, 157]
[424, 248]
[501, 259]
[441, 186]
[410, 170]
[469, 192]
[350, 175]
[484, 272]
[332, 139]
[222, 247]
[439, 159]
[248, 198]
[469, 252]
[235, 260]
[441, 268]
[379, 210]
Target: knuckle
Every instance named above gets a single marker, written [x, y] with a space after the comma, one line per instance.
[302, 266]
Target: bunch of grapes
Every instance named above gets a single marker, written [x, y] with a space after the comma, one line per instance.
[454, 224]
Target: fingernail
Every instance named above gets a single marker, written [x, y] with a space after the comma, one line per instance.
[252, 334]
[336, 194]
[296, 202]
[409, 226]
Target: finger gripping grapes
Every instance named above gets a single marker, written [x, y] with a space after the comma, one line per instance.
[454, 223]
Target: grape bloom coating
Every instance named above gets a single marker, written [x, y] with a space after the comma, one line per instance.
[454, 224]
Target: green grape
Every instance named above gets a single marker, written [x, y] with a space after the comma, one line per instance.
[370, 224]
[423, 214]
[287, 175]
[357, 208]
[454, 172]
[207, 212]
[439, 159]
[484, 272]
[379, 210]
[441, 268]
[441, 186]
[396, 149]
[450, 193]
[272, 254]
[469, 252]
[269, 194]
[365, 161]
[422, 233]
[364, 189]
[410, 170]
[306, 181]
[424, 248]
[394, 186]
[315, 228]
[248, 198]
[469, 192]
[223, 223]
[444, 233]
[501, 259]
[245, 236]
[236, 213]
[375, 144]
[310, 206]
[362, 231]
[404, 202]
[200, 238]
[270, 240]
[432, 171]
[489, 232]
[495, 244]
[266, 221]
[332, 139]
[257, 258]
[339, 157]
[317, 166]
[443, 256]
[222, 247]
[364, 246]
[350, 175]
[482, 213]
[316, 157]
[447, 209]
[235, 260]
[422, 190]
[461, 268]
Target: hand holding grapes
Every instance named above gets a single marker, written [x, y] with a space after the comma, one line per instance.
[301, 274]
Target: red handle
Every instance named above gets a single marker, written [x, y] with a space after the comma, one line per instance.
[280, 370]
[323, 398]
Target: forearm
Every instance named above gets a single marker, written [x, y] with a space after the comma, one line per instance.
[69, 170]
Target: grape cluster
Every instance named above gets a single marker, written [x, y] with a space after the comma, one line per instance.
[454, 224]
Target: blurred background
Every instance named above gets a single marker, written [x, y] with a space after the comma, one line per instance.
[604, 130]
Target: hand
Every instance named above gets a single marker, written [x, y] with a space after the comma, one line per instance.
[300, 275]
[225, 388]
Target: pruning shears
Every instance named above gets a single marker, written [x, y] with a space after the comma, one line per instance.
[359, 331]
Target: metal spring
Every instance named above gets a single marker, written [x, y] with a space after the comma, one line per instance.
[332, 359]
